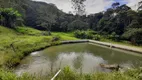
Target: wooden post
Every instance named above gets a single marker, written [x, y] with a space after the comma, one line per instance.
[11, 45]
[56, 74]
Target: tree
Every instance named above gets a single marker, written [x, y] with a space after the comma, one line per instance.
[64, 26]
[140, 17]
[139, 6]
[94, 19]
[78, 25]
[115, 5]
[134, 24]
[124, 8]
[78, 6]
[9, 17]
[134, 35]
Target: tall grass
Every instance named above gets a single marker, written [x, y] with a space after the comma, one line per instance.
[68, 74]
[17, 43]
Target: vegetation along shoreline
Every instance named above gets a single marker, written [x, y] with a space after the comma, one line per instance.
[27, 26]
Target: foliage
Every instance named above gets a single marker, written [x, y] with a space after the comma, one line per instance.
[36, 14]
[64, 36]
[44, 16]
[97, 37]
[139, 6]
[68, 74]
[134, 35]
[78, 25]
[9, 17]
[117, 19]
[114, 23]
[4, 75]
[84, 34]
[14, 45]
[78, 6]
[30, 31]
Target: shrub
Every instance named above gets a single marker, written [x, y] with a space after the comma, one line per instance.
[84, 34]
[114, 36]
[133, 35]
[9, 17]
[97, 37]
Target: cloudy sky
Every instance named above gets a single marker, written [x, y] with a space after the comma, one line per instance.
[92, 6]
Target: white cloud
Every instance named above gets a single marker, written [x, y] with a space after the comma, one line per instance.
[92, 6]
[64, 5]
[133, 4]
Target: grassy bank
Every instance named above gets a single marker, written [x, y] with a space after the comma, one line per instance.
[19, 42]
[15, 44]
[68, 74]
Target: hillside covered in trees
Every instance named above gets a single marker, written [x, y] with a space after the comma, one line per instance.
[119, 22]
[27, 26]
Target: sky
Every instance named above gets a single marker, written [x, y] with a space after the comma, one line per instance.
[92, 6]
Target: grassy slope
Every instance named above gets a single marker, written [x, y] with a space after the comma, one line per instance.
[65, 36]
[28, 39]
[24, 40]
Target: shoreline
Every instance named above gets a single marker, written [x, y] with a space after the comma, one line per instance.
[121, 47]
[117, 46]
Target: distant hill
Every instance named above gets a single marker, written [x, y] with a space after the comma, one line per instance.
[34, 13]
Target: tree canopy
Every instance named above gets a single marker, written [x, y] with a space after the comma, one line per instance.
[9, 17]
[119, 19]
[78, 6]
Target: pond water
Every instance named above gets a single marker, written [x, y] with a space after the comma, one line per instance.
[84, 57]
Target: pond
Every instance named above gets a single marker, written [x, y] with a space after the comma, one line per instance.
[84, 57]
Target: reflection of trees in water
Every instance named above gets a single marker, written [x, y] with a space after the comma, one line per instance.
[55, 62]
[77, 63]
[112, 53]
[52, 57]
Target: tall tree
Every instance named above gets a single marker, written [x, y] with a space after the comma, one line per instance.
[9, 17]
[78, 25]
[78, 6]
[140, 5]
[115, 5]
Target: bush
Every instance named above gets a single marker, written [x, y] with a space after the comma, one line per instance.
[84, 34]
[133, 35]
[114, 36]
[97, 37]
[9, 17]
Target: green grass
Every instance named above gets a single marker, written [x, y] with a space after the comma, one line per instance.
[24, 40]
[28, 31]
[68, 74]
[22, 46]
[65, 36]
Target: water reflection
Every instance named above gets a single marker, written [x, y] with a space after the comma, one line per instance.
[81, 62]
[83, 58]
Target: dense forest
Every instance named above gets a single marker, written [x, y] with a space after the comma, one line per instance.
[119, 22]
[27, 26]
